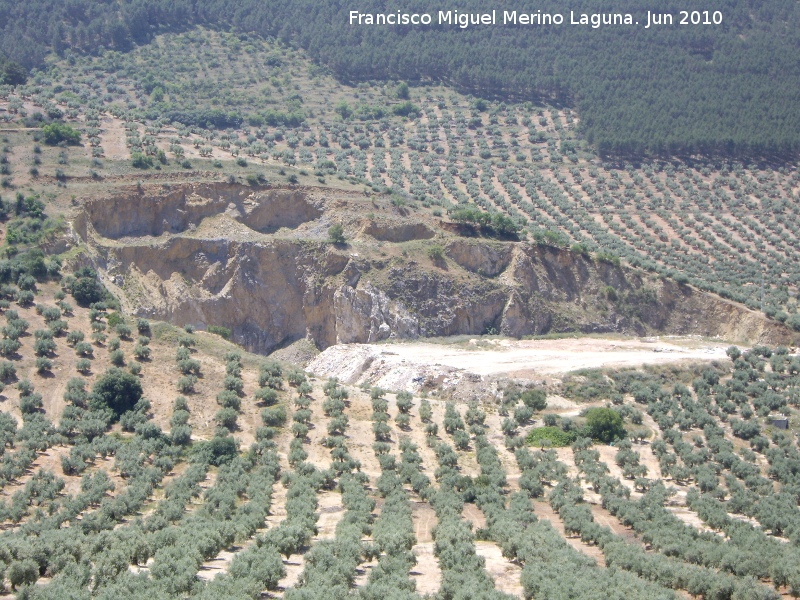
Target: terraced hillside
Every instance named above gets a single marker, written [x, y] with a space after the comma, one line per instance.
[240, 476]
[168, 210]
[206, 105]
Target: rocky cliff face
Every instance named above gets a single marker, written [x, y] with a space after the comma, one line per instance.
[257, 263]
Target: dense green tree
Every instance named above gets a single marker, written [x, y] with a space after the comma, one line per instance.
[117, 390]
[604, 424]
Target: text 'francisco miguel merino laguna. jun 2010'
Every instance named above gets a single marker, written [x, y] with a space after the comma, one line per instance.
[463, 20]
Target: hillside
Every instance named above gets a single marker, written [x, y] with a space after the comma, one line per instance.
[724, 227]
[356, 491]
[278, 323]
[259, 263]
[744, 53]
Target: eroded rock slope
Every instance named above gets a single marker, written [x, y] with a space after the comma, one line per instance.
[257, 262]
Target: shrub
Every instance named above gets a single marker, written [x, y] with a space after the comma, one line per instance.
[604, 424]
[220, 450]
[87, 290]
[523, 414]
[425, 411]
[229, 399]
[436, 253]
[336, 234]
[84, 365]
[58, 327]
[117, 358]
[235, 384]
[51, 314]
[274, 416]
[43, 365]
[223, 332]
[141, 161]
[118, 390]
[267, 396]
[226, 417]
[550, 436]
[25, 298]
[188, 365]
[181, 435]
[9, 347]
[186, 384]
[73, 337]
[7, 371]
[536, 400]
[30, 403]
[44, 346]
[55, 133]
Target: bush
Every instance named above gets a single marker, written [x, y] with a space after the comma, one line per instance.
[30, 403]
[187, 365]
[234, 384]
[336, 234]
[9, 347]
[117, 358]
[141, 161]
[536, 400]
[223, 332]
[44, 346]
[550, 436]
[83, 349]
[794, 321]
[181, 435]
[220, 450]
[73, 337]
[118, 390]
[604, 424]
[436, 253]
[87, 290]
[274, 416]
[226, 417]
[55, 133]
[267, 396]
[7, 371]
[523, 414]
[58, 327]
[186, 384]
[43, 365]
[229, 399]
[25, 298]
[84, 365]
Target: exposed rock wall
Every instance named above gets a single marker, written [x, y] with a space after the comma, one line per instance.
[272, 290]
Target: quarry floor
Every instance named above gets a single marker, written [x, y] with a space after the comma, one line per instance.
[446, 362]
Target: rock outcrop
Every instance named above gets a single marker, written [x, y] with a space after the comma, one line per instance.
[256, 262]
